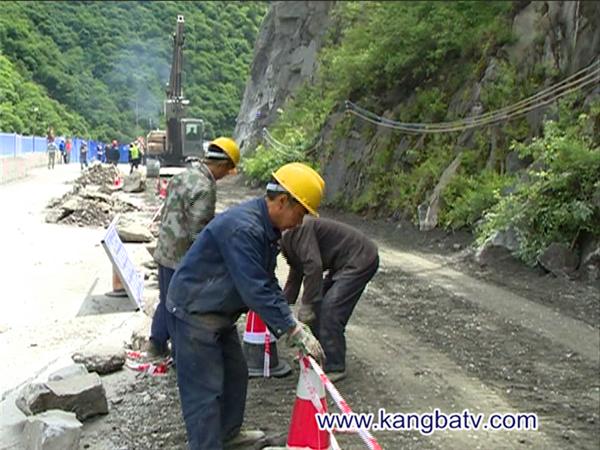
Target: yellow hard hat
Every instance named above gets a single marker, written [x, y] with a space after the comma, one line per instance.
[303, 183]
[230, 148]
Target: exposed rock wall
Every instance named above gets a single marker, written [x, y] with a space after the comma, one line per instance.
[285, 55]
[563, 35]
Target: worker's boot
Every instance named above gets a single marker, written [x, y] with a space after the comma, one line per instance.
[153, 351]
[243, 439]
[334, 377]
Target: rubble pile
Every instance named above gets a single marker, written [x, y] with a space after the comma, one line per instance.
[90, 202]
[98, 174]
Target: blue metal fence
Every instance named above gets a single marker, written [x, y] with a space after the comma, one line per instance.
[13, 145]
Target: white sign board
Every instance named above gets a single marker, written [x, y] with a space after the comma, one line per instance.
[132, 280]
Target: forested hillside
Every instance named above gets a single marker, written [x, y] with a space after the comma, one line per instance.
[99, 68]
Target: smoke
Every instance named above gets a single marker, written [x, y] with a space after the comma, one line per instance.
[140, 73]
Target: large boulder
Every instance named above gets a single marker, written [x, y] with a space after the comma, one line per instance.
[558, 259]
[52, 430]
[83, 394]
[500, 245]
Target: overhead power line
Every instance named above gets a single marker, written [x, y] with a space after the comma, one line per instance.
[585, 77]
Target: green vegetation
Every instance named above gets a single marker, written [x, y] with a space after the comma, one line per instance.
[377, 48]
[417, 62]
[559, 200]
[107, 64]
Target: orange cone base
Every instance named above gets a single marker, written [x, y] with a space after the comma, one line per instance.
[304, 432]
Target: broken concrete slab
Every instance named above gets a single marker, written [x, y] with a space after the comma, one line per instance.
[68, 372]
[82, 394]
[101, 361]
[53, 430]
[134, 232]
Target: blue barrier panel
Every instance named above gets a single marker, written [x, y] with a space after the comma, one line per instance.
[41, 145]
[7, 144]
[124, 150]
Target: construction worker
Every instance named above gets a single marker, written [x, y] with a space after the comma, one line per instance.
[83, 151]
[188, 207]
[230, 268]
[350, 259]
[134, 156]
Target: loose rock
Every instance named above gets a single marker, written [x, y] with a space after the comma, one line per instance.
[134, 232]
[101, 362]
[53, 430]
[83, 394]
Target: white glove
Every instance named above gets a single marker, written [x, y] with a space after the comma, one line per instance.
[303, 339]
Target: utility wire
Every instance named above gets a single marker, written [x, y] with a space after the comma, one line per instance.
[587, 76]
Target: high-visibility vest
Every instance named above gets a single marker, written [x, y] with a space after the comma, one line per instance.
[135, 152]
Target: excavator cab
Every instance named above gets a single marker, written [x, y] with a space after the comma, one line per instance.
[192, 137]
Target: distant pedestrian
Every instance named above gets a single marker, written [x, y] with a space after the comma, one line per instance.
[100, 152]
[61, 148]
[114, 155]
[51, 154]
[68, 146]
[83, 151]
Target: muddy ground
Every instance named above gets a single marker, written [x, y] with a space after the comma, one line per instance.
[432, 330]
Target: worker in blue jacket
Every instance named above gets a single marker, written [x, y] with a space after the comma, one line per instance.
[229, 269]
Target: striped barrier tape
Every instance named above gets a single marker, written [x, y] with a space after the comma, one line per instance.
[367, 437]
[315, 398]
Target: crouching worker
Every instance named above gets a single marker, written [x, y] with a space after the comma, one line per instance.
[350, 259]
[230, 268]
[188, 207]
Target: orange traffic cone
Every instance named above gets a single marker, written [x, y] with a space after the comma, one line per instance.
[260, 349]
[304, 433]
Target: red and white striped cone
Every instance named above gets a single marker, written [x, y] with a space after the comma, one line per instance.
[118, 182]
[304, 433]
[260, 349]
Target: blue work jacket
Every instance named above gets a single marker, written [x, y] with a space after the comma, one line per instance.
[230, 267]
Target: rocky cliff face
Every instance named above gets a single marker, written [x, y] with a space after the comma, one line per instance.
[562, 35]
[285, 55]
[558, 34]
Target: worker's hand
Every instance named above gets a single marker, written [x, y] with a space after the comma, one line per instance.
[303, 339]
[306, 313]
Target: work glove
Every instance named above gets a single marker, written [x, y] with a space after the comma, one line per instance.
[303, 339]
[306, 313]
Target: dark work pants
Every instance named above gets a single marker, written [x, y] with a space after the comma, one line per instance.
[341, 292]
[163, 321]
[212, 377]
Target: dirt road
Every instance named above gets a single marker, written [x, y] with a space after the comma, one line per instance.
[432, 330]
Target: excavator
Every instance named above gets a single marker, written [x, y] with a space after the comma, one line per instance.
[183, 137]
